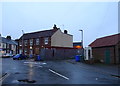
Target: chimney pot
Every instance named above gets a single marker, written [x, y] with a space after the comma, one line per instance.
[54, 27]
[8, 37]
[65, 31]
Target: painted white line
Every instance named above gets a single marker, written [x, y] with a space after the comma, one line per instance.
[3, 78]
[58, 74]
[44, 63]
[35, 63]
[40, 66]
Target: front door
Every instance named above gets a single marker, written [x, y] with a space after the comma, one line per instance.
[107, 56]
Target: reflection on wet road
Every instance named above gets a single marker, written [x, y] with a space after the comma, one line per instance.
[51, 72]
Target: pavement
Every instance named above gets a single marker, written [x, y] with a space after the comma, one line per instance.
[111, 69]
[27, 72]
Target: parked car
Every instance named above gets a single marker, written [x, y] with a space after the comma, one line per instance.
[19, 57]
[7, 55]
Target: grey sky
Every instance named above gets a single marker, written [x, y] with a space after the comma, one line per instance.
[97, 19]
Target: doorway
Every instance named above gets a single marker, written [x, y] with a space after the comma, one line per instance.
[107, 56]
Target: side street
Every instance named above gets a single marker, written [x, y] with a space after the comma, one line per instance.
[65, 61]
[59, 42]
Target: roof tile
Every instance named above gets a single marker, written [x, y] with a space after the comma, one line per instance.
[106, 41]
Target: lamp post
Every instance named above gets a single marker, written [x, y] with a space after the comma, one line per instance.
[82, 37]
[82, 45]
[22, 41]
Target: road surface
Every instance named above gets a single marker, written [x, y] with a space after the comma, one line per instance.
[50, 72]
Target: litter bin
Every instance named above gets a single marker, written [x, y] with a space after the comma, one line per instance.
[77, 58]
[38, 58]
[30, 56]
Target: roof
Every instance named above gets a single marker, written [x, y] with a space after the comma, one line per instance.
[77, 43]
[106, 41]
[45, 33]
[8, 41]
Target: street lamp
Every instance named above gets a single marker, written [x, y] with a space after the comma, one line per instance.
[22, 41]
[82, 37]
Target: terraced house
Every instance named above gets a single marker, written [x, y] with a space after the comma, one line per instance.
[32, 43]
[7, 45]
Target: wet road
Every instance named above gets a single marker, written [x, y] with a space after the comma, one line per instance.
[51, 72]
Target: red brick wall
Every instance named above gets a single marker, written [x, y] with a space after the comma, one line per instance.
[34, 46]
[99, 53]
[59, 53]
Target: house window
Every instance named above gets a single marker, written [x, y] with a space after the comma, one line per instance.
[7, 45]
[25, 51]
[37, 41]
[31, 42]
[20, 51]
[25, 42]
[46, 40]
[3, 45]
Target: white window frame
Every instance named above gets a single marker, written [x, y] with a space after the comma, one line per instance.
[37, 42]
[8, 45]
[25, 42]
[31, 42]
[46, 40]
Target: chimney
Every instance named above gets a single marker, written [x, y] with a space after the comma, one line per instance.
[65, 31]
[54, 27]
[8, 37]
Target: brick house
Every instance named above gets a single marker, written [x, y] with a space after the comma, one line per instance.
[107, 49]
[32, 43]
[7, 45]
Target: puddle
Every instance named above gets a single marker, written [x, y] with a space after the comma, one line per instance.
[15, 81]
[26, 80]
[44, 63]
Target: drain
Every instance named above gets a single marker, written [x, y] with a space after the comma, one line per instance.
[26, 80]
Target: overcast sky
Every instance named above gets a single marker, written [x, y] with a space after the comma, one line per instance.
[96, 19]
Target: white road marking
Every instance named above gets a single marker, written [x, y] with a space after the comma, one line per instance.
[58, 74]
[40, 66]
[35, 63]
[3, 78]
[44, 63]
